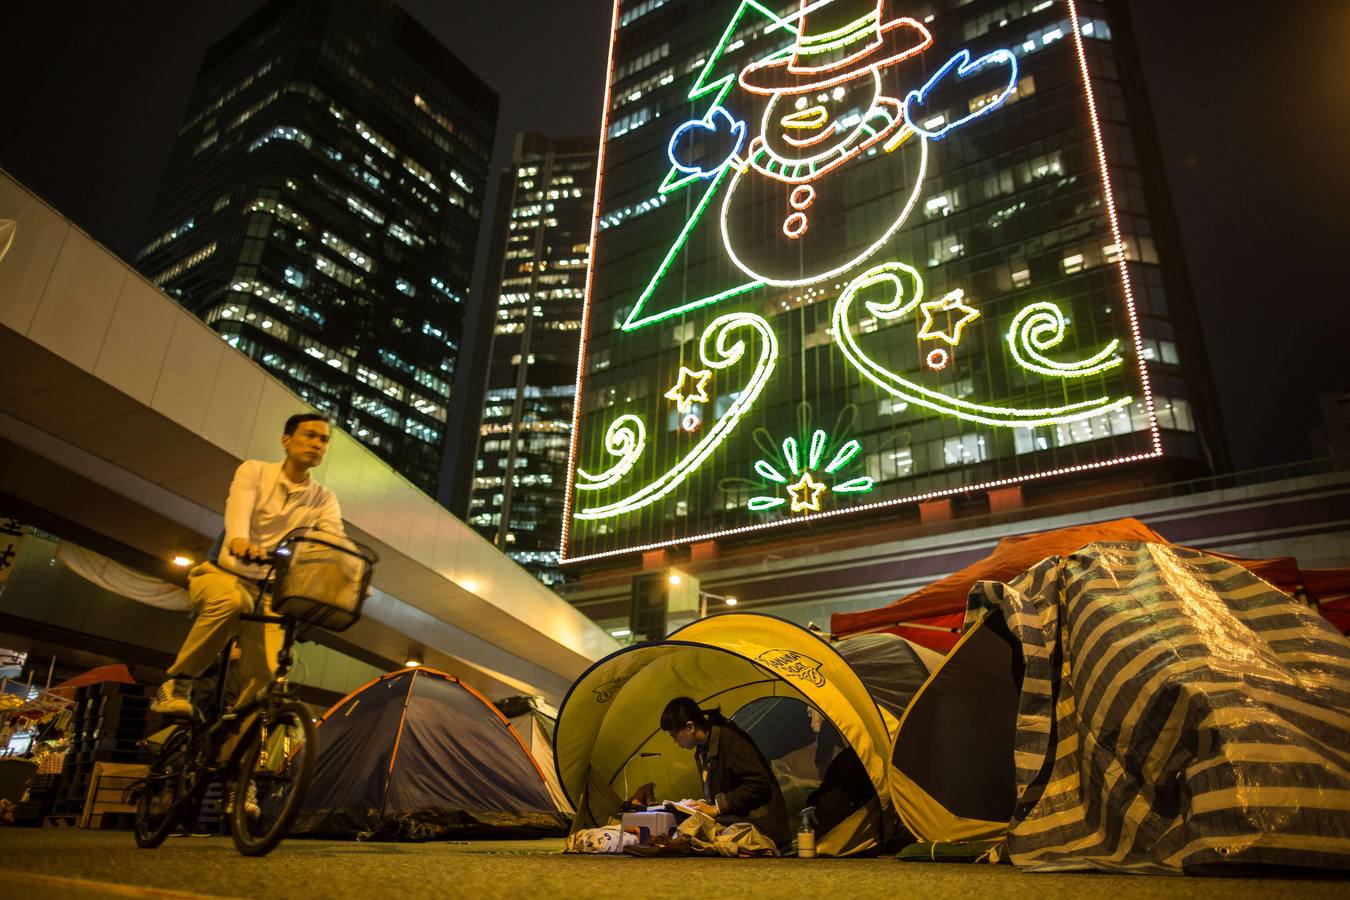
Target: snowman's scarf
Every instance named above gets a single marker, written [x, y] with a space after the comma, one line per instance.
[880, 123]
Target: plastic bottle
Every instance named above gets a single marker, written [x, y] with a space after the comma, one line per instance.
[806, 834]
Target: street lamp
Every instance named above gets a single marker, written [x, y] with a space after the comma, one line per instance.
[705, 596]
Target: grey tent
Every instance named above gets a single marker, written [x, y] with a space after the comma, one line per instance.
[419, 755]
[892, 667]
[534, 720]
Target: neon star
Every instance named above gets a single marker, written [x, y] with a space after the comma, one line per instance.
[684, 397]
[806, 494]
[950, 303]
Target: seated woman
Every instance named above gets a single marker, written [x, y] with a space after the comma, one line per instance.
[738, 783]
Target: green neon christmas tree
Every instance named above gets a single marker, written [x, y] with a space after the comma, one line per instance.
[711, 89]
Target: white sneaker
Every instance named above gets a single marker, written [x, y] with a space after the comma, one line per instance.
[251, 808]
[174, 699]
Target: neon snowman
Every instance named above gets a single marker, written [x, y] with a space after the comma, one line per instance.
[828, 115]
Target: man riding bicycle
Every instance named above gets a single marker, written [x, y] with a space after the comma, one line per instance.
[266, 501]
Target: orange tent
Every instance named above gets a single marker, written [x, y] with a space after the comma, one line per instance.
[117, 672]
[933, 615]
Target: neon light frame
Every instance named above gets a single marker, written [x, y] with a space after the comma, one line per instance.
[1121, 264]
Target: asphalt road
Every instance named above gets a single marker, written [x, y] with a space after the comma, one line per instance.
[68, 863]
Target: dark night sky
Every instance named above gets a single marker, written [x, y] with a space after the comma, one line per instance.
[1249, 97]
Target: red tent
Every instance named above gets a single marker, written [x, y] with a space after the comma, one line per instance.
[932, 616]
[1331, 589]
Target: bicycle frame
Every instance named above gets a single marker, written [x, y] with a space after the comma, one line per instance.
[208, 734]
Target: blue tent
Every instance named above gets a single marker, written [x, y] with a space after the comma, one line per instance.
[419, 755]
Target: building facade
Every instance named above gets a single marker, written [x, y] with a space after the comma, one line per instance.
[320, 210]
[859, 265]
[540, 258]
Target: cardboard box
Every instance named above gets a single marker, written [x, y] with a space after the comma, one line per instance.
[648, 824]
[107, 787]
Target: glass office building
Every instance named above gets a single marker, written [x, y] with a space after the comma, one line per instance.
[852, 257]
[540, 257]
[321, 210]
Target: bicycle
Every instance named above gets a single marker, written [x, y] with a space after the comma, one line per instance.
[267, 746]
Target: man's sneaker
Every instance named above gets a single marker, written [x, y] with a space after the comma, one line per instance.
[251, 808]
[174, 699]
[196, 831]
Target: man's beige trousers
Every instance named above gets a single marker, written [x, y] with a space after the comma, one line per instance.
[218, 599]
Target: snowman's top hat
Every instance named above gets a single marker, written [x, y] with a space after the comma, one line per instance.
[838, 40]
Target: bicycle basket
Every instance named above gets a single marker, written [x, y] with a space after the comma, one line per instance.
[321, 579]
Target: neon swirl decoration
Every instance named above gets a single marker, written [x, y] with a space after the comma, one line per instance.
[718, 350]
[626, 438]
[1040, 327]
[901, 387]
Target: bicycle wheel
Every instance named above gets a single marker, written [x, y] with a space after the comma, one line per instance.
[274, 774]
[160, 801]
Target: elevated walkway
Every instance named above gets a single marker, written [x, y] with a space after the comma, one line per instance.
[123, 413]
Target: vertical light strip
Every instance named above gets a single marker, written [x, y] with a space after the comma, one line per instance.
[590, 278]
[1115, 229]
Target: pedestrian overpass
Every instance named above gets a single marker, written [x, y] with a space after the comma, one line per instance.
[123, 417]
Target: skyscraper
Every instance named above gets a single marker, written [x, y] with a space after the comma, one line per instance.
[540, 260]
[854, 259]
[320, 210]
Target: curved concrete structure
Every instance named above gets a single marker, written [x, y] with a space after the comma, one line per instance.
[121, 411]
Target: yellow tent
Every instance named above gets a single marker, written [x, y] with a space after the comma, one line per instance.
[951, 774]
[608, 740]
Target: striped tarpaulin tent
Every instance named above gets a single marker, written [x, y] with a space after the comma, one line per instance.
[1177, 713]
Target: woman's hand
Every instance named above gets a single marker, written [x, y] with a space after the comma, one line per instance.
[708, 809]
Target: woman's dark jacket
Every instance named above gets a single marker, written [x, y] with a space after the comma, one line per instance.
[739, 780]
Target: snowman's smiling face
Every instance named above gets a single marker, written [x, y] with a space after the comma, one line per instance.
[801, 127]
